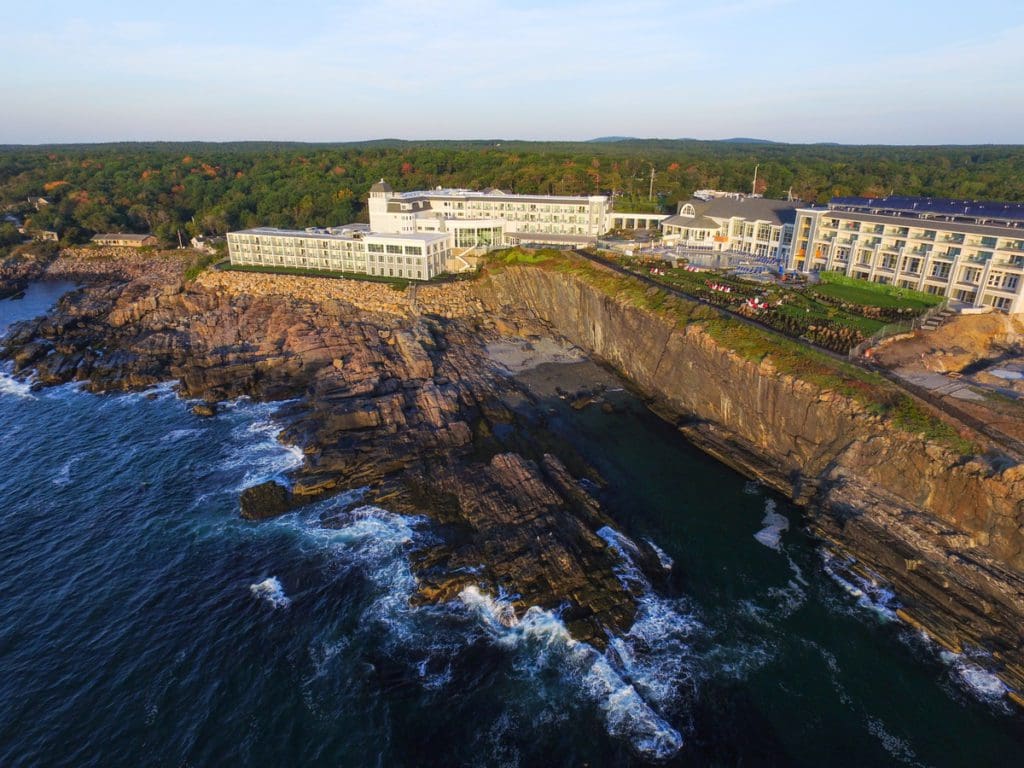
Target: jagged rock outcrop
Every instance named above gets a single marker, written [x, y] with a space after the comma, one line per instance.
[395, 395]
[401, 405]
[882, 495]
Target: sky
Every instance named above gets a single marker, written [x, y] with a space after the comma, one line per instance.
[892, 72]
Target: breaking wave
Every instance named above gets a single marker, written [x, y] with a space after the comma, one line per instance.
[870, 593]
[255, 447]
[604, 679]
[979, 682]
[271, 591]
[15, 387]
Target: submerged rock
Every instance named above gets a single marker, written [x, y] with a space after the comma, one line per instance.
[204, 409]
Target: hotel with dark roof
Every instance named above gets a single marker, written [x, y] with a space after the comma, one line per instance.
[970, 252]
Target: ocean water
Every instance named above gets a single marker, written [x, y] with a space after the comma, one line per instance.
[143, 623]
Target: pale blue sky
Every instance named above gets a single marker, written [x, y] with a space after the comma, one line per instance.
[893, 71]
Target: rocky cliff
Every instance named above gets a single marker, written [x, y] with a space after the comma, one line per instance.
[404, 407]
[946, 529]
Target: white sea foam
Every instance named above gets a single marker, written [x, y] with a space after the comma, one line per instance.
[177, 434]
[774, 526]
[978, 681]
[898, 748]
[270, 590]
[63, 476]
[637, 683]
[160, 391]
[870, 593]
[543, 636]
[15, 387]
[629, 574]
[789, 599]
[664, 560]
[258, 451]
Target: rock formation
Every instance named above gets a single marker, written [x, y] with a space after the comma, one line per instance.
[946, 530]
[402, 405]
[396, 395]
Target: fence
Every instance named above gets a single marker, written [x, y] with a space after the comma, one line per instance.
[903, 326]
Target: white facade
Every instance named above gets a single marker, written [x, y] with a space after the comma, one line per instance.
[418, 256]
[964, 252]
[487, 219]
[752, 225]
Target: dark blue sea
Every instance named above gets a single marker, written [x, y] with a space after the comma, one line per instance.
[143, 623]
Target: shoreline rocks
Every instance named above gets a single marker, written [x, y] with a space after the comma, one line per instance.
[395, 392]
[383, 396]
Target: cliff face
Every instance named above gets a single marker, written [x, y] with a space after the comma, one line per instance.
[949, 532]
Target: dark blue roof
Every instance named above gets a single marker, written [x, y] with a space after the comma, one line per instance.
[938, 206]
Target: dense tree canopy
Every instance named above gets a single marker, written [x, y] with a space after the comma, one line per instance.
[213, 188]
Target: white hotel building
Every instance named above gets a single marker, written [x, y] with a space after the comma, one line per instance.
[734, 223]
[353, 248]
[971, 252]
[421, 234]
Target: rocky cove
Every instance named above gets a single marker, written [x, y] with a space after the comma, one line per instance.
[396, 393]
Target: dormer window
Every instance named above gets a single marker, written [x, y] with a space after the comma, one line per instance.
[687, 210]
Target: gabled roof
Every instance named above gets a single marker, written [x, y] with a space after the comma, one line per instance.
[694, 222]
[749, 208]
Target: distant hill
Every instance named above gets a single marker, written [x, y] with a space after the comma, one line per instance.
[743, 140]
[625, 139]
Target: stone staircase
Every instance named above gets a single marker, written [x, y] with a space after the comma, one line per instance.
[938, 319]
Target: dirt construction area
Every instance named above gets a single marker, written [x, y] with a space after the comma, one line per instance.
[976, 361]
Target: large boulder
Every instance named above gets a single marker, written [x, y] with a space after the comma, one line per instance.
[265, 500]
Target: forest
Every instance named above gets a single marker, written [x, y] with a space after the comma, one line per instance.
[207, 188]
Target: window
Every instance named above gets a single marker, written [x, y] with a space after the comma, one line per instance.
[971, 275]
[375, 248]
[394, 249]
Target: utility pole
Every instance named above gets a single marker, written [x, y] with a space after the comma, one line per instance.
[650, 192]
[753, 189]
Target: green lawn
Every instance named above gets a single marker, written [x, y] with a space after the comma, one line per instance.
[869, 296]
[837, 314]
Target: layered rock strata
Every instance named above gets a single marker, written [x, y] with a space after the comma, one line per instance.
[381, 397]
[946, 530]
